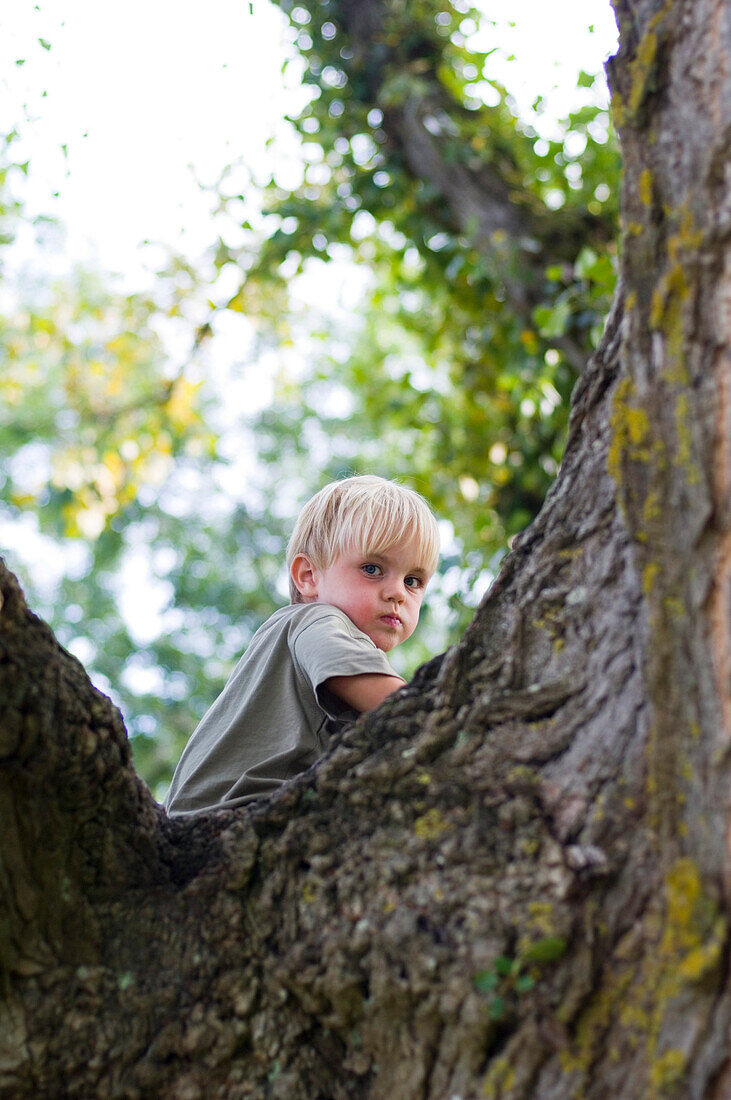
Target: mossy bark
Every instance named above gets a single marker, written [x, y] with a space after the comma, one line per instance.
[513, 879]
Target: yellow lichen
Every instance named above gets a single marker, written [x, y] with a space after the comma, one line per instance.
[682, 455]
[667, 1069]
[689, 940]
[594, 1021]
[540, 917]
[674, 606]
[682, 890]
[651, 509]
[700, 960]
[657, 308]
[552, 623]
[570, 553]
[633, 1017]
[616, 448]
[637, 425]
[645, 187]
[682, 431]
[619, 112]
[630, 429]
[430, 825]
[672, 291]
[686, 939]
[309, 893]
[687, 239]
[499, 1079]
[522, 774]
[669, 297]
[641, 67]
[643, 64]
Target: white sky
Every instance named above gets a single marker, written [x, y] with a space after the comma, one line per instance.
[148, 97]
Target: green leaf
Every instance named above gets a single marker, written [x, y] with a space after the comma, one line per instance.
[553, 322]
[485, 981]
[549, 949]
[503, 965]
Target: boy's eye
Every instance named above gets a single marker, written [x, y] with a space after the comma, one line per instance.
[371, 569]
[413, 582]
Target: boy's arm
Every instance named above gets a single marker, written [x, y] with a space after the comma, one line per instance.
[364, 691]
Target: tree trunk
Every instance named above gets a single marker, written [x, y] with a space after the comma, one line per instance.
[511, 880]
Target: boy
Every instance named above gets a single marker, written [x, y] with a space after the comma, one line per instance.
[360, 557]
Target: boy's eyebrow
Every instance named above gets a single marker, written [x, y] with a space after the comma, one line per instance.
[422, 570]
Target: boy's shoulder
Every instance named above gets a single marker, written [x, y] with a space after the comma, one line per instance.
[309, 623]
[299, 616]
[307, 633]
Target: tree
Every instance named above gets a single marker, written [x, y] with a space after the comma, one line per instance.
[511, 880]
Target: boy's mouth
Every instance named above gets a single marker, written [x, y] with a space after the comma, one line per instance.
[391, 620]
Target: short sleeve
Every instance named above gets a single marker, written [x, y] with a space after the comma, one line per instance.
[330, 645]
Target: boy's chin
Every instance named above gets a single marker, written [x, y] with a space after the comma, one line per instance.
[385, 642]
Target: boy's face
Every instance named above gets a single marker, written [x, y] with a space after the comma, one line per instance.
[380, 593]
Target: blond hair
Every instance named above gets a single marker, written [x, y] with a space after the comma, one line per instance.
[366, 513]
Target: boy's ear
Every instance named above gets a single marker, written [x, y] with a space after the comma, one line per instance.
[304, 576]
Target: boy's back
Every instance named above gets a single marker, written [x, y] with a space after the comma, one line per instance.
[274, 717]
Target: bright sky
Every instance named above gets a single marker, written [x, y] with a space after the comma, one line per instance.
[151, 96]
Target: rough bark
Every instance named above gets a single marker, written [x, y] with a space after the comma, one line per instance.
[513, 879]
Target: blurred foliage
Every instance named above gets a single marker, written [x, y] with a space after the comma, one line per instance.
[83, 378]
[445, 379]
[123, 487]
[111, 488]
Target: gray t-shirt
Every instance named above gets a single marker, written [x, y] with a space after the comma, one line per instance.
[274, 716]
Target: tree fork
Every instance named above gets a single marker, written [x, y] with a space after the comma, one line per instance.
[512, 880]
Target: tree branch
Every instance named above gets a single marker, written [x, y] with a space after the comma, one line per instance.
[478, 197]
